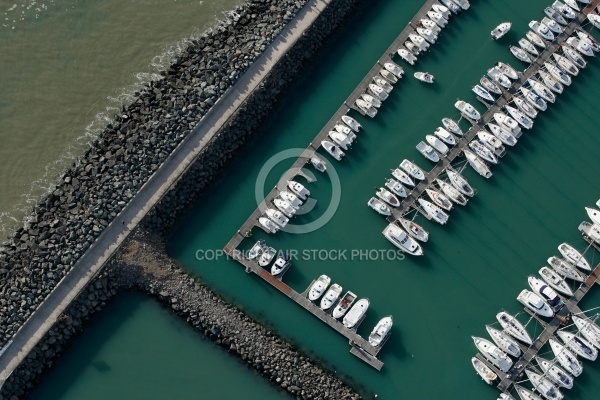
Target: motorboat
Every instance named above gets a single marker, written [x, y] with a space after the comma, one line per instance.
[565, 269]
[489, 85]
[526, 394]
[384, 84]
[504, 136]
[285, 207]
[593, 214]
[535, 39]
[460, 183]
[452, 126]
[388, 197]
[542, 30]
[443, 10]
[433, 211]
[552, 25]
[547, 294]
[565, 64]
[299, 190]
[544, 385]
[564, 10]
[483, 151]
[318, 163]
[445, 136]
[464, 4]
[366, 107]
[387, 75]
[594, 19]
[578, 345]
[427, 34]
[330, 297]
[535, 303]
[478, 165]
[504, 341]
[419, 41]
[588, 329]
[566, 358]
[394, 69]
[415, 230]
[277, 217]
[379, 206]
[407, 56]
[437, 18]
[572, 4]
[378, 91]
[558, 73]
[424, 77]
[534, 99]
[437, 144]
[371, 100]
[573, 256]
[467, 110]
[270, 226]
[341, 128]
[256, 250]
[428, 152]
[483, 371]
[352, 123]
[333, 150]
[381, 331]
[499, 77]
[507, 123]
[412, 169]
[451, 192]
[585, 36]
[575, 48]
[528, 47]
[402, 240]
[318, 287]
[356, 313]
[555, 373]
[507, 70]
[555, 280]
[513, 327]
[542, 90]
[267, 256]
[291, 198]
[280, 266]
[439, 199]
[519, 116]
[396, 187]
[520, 54]
[483, 94]
[592, 231]
[429, 24]
[492, 142]
[525, 107]
[413, 48]
[550, 81]
[493, 354]
[500, 30]
[451, 5]
[555, 15]
[403, 178]
[343, 305]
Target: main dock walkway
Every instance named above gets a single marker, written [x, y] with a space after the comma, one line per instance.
[153, 191]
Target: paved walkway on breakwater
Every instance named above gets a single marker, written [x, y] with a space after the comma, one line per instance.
[165, 177]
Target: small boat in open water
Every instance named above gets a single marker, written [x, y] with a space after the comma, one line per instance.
[424, 77]
[500, 30]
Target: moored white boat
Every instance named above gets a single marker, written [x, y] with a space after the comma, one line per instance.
[277, 217]
[381, 331]
[383, 83]
[439, 199]
[427, 34]
[575, 48]
[565, 269]
[565, 64]
[356, 313]
[550, 81]
[445, 136]
[594, 19]
[371, 100]
[507, 70]
[333, 150]
[526, 394]
[299, 190]
[388, 197]
[267, 256]
[583, 35]
[520, 54]
[379, 206]
[566, 358]
[544, 385]
[542, 30]
[419, 41]
[483, 371]
[542, 289]
[478, 165]
[534, 99]
[492, 142]
[573, 256]
[541, 90]
[503, 135]
[592, 231]
[412, 169]
[555, 280]
[482, 151]
[593, 214]
[435, 212]
[424, 77]
[555, 15]
[444, 11]
[270, 226]
[513, 327]
[437, 144]
[340, 139]
[319, 164]
[451, 192]
[352, 123]
[528, 47]
[415, 230]
[388, 76]
[366, 107]
[331, 296]
[482, 93]
[519, 116]
[588, 329]
[535, 39]
[437, 18]
[256, 250]
[318, 287]
[285, 207]
[452, 126]
[427, 151]
[407, 56]
[524, 106]
[499, 77]
[579, 345]
[460, 183]
[403, 178]
[467, 110]
[558, 73]
[504, 341]
[429, 24]
[555, 373]
[507, 123]
[492, 353]
[489, 85]
[343, 305]
[378, 91]
[396, 187]
[280, 266]
[394, 69]
[552, 25]
[413, 48]
[500, 30]
[572, 4]
[399, 238]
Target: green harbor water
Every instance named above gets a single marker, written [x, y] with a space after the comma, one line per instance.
[473, 267]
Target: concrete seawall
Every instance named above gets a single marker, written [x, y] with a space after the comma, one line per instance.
[93, 202]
